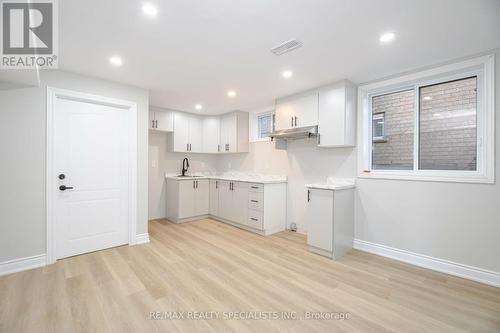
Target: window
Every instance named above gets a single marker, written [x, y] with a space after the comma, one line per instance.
[433, 125]
[265, 125]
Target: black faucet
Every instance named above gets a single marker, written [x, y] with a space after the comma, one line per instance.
[185, 166]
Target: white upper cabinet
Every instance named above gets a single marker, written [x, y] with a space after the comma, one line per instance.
[234, 132]
[337, 115]
[187, 136]
[297, 111]
[211, 135]
[161, 120]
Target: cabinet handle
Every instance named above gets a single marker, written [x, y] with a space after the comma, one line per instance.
[152, 124]
[292, 121]
[295, 121]
[319, 138]
[254, 200]
[218, 147]
[156, 123]
[194, 184]
[216, 184]
[308, 195]
[253, 219]
[255, 187]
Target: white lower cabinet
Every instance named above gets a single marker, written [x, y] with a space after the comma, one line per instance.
[214, 197]
[330, 224]
[187, 199]
[256, 207]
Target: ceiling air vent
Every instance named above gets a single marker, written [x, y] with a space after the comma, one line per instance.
[285, 47]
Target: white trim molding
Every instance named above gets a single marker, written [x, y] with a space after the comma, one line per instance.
[142, 238]
[483, 67]
[22, 264]
[436, 264]
[52, 95]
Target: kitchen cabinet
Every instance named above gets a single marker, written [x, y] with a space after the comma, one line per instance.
[337, 115]
[187, 199]
[161, 120]
[234, 132]
[330, 221]
[187, 134]
[233, 201]
[297, 111]
[211, 134]
[214, 197]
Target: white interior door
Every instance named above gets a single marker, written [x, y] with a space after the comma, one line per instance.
[92, 152]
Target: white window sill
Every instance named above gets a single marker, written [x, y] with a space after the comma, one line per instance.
[474, 179]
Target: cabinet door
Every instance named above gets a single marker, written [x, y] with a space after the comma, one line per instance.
[331, 117]
[201, 198]
[283, 116]
[151, 120]
[164, 121]
[240, 202]
[181, 132]
[211, 135]
[229, 133]
[195, 134]
[306, 111]
[320, 219]
[214, 197]
[186, 199]
[297, 111]
[225, 200]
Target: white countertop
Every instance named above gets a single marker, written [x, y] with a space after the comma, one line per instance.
[237, 177]
[334, 184]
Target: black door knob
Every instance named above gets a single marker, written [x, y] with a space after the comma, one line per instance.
[64, 188]
[62, 176]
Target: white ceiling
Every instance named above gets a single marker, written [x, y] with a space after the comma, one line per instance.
[196, 50]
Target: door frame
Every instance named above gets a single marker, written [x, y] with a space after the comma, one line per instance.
[51, 191]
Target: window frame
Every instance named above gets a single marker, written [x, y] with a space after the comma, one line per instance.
[483, 68]
[257, 125]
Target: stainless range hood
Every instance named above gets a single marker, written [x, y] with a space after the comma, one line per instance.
[295, 133]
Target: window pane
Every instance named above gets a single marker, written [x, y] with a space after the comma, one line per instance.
[265, 125]
[395, 151]
[448, 137]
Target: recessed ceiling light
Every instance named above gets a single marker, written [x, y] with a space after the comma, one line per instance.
[231, 93]
[387, 37]
[198, 106]
[115, 61]
[287, 74]
[149, 9]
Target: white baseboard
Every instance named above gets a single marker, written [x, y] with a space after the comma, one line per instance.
[440, 265]
[22, 264]
[142, 238]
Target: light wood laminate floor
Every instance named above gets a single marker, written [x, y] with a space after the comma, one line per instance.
[209, 266]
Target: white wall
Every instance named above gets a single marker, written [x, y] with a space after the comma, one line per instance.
[451, 221]
[162, 161]
[23, 165]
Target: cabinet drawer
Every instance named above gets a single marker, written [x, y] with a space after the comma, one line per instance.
[255, 219]
[256, 187]
[256, 200]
